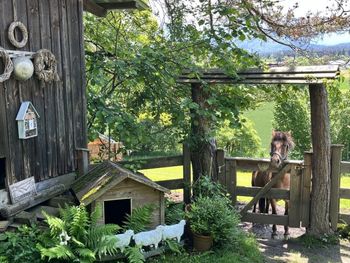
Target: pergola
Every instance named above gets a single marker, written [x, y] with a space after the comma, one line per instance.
[314, 77]
[100, 7]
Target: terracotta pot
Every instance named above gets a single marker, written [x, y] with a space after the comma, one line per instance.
[202, 243]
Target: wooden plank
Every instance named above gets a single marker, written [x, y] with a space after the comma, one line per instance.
[231, 178]
[186, 173]
[344, 167]
[334, 205]
[344, 218]
[344, 193]
[306, 189]
[10, 210]
[83, 161]
[172, 184]
[3, 124]
[94, 8]
[40, 143]
[295, 196]
[273, 193]
[268, 76]
[67, 91]
[266, 188]
[265, 218]
[159, 162]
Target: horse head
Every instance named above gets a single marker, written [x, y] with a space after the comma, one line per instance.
[281, 144]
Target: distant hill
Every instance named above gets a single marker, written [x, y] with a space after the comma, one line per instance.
[271, 48]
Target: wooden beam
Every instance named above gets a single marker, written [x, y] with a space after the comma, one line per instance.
[335, 185]
[158, 162]
[172, 184]
[345, 167]
[265, 219]
[94, 8]
[253, 191]
[344, 193]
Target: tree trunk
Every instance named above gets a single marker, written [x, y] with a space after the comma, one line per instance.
[320, 193]
[202, 147]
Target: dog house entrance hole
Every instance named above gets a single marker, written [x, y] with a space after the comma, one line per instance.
[2, 173]
[116, 211]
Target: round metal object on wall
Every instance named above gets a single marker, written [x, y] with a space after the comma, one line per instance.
[24, 32]
[23, 68]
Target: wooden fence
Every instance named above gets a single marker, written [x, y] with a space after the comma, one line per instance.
[298, 194]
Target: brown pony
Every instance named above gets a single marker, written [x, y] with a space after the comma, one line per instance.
[281, 144]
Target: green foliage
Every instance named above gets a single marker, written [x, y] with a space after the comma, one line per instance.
[239, 141]
[140, 218]
[174, 212]
[344, 230]
[242, 247]
[213, 216]
[324, 240]
[20, 246]
[292, 113]
[212, 200]
[76, 236]
[134, 255]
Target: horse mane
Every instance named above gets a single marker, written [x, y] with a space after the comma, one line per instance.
[283, 136]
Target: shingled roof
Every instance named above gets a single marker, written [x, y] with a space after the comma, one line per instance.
[104, 177]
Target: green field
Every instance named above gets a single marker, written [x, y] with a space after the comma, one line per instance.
[243, 179]
[262, 118]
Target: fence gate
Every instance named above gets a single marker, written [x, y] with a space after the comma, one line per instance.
[298, 195]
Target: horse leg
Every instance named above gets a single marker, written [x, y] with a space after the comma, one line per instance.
[286, 228]
[274, 212]
[267, 205]
[262, 205]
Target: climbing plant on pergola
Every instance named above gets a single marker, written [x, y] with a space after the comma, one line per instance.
[202, 156]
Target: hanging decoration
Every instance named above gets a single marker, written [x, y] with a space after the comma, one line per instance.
[8, 65]
[45, 66]
[23, 68]
[27, 119]
[11, 34]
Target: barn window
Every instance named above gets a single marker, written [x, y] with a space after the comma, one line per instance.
[116, 210]
[2, 172]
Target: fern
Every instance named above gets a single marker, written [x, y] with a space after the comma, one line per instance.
[76, 236]
[140, 218]
[134, 255]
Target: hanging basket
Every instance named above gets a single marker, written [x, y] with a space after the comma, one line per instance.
[8, 65]
[45, 66]
[11, 34]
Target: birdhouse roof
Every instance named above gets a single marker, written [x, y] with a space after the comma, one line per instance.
[104, 177]
[23, 110]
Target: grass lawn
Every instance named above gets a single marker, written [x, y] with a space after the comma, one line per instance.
[262, 118]
[243, 179]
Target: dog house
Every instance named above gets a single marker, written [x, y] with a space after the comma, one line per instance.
[118, 191]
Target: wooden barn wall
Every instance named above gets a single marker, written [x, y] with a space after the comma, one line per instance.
[55, 25]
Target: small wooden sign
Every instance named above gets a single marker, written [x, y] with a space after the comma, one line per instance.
[22, 190]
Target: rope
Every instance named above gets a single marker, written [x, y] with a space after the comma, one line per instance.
[45, 66]
[8, 65]
[11, 34]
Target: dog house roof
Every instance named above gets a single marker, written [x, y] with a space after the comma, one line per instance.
[104, 177]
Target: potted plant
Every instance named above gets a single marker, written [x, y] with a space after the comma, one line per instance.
[212, 219]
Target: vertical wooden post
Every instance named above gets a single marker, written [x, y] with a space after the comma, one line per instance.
[187, 173]
[82, 161]
[220, 159]
[295, 193]
[231, 178]
[321, 145]
[335, 185]
[306, 189]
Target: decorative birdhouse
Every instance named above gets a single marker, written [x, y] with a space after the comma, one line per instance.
[27, 119]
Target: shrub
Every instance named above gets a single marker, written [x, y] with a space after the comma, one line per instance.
[20, 246]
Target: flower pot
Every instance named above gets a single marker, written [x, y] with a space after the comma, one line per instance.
[202, 243]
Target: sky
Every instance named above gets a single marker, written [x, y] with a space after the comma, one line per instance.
[304, 7]
[318, 5]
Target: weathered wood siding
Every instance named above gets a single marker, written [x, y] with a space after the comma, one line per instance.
[139, 194]
[55, 25]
